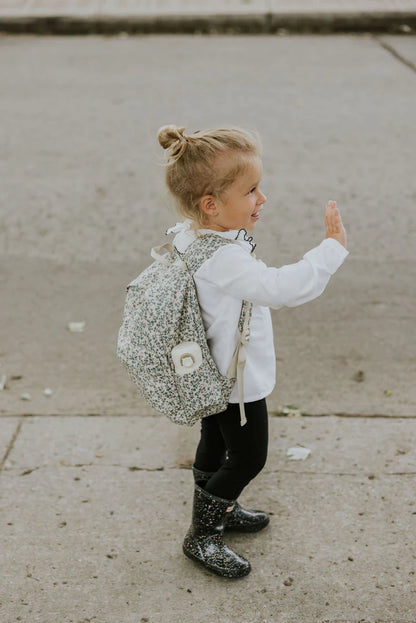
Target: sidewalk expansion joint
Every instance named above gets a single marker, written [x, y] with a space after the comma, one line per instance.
[22, 471]
[362, 416]
[275, 413]
[395, 54]
[352, 474]
[11, 444]
[25, 471]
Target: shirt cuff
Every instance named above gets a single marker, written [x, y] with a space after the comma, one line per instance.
[337, 246]
[329, 254]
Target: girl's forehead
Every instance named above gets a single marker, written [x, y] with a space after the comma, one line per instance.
[255, 165]
[251, 170]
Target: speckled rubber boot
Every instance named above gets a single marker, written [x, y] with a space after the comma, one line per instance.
[204, 539]
[239, 519]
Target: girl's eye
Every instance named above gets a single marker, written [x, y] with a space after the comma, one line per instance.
[251, 190]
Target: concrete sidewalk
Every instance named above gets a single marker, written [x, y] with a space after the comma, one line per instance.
[94, 511]
[229, 16]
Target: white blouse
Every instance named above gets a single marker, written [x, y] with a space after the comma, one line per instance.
[233, 274]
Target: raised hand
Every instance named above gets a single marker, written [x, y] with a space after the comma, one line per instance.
[333, 223]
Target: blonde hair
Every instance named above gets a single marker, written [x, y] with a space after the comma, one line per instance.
[196, 165]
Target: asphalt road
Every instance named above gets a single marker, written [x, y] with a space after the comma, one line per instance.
[83, 200]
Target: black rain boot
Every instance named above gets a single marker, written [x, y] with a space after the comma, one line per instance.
[239, 519]
[203, 541]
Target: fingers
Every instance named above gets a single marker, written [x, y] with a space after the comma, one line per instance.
[333, 221]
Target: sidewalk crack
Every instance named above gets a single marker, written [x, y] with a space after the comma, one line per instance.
[11, 444]
[395, 53]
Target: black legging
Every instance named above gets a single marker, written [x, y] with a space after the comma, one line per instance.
[235, 453]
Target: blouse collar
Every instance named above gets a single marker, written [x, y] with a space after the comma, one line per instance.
[232, 234]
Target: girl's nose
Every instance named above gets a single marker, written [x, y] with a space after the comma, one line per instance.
[262, 198]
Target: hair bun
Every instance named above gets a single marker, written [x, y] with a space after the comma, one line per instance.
[168, 135]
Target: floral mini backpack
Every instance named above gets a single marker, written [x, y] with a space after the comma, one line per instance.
[162, 340]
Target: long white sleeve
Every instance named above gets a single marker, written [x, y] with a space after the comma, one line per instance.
[235, 272]
[231, 275]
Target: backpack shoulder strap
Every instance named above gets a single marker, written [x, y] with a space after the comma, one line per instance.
[201, 249]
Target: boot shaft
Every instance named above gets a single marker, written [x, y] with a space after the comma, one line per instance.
[209, 511]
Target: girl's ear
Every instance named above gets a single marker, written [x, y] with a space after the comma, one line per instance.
[208, 206]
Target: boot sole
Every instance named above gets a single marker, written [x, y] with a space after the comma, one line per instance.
[215, 570]
[252, 528]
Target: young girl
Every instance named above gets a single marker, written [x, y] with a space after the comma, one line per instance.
[215, 176]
